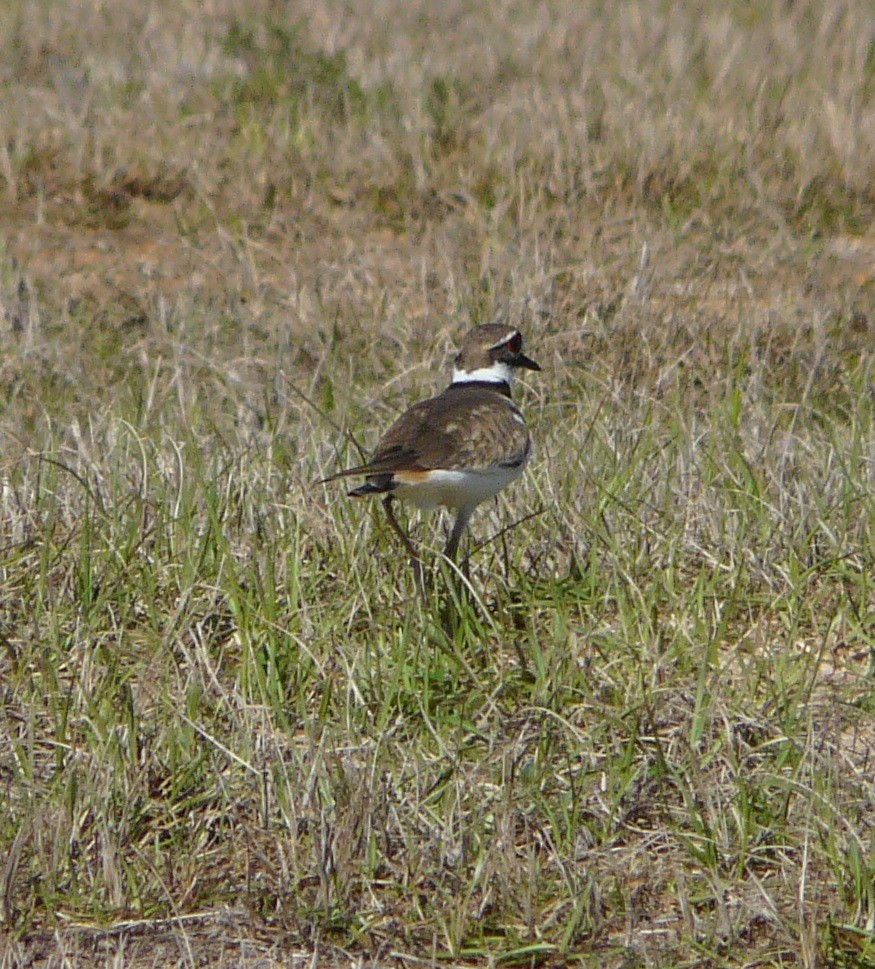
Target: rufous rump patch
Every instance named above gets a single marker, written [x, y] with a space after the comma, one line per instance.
[411, 477]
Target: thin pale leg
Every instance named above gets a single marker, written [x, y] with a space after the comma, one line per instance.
[457, 591]
[463, 516]
[415, 562]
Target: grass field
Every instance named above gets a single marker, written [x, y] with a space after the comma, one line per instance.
[236, 240]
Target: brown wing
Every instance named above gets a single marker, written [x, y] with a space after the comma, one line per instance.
[464, 427]
[474, 427]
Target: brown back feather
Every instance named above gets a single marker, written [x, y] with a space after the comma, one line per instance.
[451, 430]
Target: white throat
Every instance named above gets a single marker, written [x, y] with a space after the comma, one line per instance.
[496, 373]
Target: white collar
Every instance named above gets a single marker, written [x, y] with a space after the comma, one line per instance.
[497, 373]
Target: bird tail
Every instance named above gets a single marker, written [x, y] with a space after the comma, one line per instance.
[348, 473]
[375, 484]
[378, 484]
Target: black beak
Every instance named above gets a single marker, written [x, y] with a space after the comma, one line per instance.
[521, 360]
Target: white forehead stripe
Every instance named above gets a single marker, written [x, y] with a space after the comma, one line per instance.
[504, 340]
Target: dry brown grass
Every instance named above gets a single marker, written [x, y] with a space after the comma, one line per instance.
[232, 234]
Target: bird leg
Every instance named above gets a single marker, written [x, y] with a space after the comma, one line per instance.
[451, 616]
[463, 516]
[415, 561]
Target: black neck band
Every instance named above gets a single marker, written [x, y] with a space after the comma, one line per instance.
[499, 386]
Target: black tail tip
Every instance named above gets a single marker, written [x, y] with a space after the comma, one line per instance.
[379, 485]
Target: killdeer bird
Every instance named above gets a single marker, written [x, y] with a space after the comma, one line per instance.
[459, 448]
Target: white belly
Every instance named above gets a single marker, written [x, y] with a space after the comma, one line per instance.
[457, 489]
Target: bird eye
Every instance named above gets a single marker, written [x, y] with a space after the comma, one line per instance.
[515, 343]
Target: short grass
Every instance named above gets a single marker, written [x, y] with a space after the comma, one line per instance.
[237, 241]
